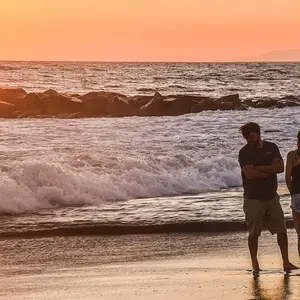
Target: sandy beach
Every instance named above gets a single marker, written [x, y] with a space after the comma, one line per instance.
[177, 266]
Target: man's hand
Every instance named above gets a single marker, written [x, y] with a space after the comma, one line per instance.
[277, 161]
[277, 166]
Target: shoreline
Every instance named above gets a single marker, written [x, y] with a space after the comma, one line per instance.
[120, 218]
[153, 267]
[119, 229]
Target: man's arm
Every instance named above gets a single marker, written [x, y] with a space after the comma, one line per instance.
[252, 172]
[276, 167]
[247, 167]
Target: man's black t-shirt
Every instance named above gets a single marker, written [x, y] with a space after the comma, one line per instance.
[265, 188]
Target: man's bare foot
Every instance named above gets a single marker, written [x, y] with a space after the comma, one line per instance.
[289, 266]
[255, 268]
[256, 273]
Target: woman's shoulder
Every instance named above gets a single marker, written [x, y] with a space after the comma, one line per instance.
[292, 154]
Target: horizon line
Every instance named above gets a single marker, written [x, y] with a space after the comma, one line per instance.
[145, 61]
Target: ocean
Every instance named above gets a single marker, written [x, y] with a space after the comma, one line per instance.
[83, 176]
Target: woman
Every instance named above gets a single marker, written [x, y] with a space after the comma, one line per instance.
[292, 178]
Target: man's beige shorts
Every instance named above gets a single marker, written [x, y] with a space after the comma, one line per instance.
[264, 214]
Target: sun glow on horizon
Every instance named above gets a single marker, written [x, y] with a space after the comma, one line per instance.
[157, 30]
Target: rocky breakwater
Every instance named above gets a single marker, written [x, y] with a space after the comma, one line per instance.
[17, 103]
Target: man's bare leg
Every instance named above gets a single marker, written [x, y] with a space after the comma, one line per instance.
[253, 246]
[283, 245]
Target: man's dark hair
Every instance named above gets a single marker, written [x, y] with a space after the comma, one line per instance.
[298, 136]
[249, 127]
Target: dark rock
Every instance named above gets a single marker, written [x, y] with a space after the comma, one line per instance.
[51, 92]
[179, 105]
[54, 104]
[233, 99]
[242, 107]
[139, 101]
[30, 101]
[249, 102]
[155, 107]
[290, 97]
[287, 103]
[121, 108]
[16, 103]
[205, 104]
[76, 115]
[30, 113]
[94, 104]
[226, 106]
[266, 103]
[11, 95]
[6, 109]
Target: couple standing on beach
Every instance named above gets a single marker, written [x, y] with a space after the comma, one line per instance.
[260, 162]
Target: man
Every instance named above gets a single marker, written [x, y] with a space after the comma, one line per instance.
[260, 161]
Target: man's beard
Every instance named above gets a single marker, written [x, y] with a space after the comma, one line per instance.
[255, 144]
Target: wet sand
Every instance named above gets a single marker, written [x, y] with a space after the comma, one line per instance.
[144, 267]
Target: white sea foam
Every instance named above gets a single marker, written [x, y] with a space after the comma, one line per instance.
[49, 163]
[33, 184]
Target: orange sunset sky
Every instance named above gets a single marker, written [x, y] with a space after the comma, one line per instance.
[146, 30]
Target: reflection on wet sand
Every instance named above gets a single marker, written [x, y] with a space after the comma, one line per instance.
[264, 287]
